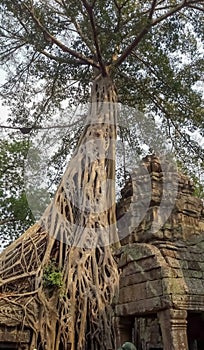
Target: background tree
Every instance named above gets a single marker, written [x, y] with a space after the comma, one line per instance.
[15, 213]
[140, 53]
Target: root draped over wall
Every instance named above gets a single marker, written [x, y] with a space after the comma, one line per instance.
[75, 234]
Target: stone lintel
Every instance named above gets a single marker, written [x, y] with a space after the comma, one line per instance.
[141, 307]
[189, 302]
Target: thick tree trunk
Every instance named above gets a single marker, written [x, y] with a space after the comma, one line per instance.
[82, 220]
[74, 237]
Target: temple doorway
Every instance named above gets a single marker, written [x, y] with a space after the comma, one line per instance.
[143, 331]
[195, 330]
[8, 346]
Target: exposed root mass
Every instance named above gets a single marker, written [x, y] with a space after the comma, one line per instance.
[60, 278]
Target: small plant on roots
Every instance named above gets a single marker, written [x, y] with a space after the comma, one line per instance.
[52, 277]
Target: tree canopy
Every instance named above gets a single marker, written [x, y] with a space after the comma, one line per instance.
[152, 48]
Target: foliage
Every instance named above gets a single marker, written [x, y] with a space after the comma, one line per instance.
[52, 277]
[15, 215]
[197, 178]
[199, 191]
[198, 186]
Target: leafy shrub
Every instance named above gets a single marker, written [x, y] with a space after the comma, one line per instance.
[52, 276]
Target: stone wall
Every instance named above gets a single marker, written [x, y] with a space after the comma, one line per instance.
[14, 337]
[159, 276]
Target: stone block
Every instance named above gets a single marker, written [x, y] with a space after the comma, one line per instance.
[138, 277]
[173, 262]
[132, 293]
[154, 288]
[140, 307]
[169, 252]
[193, 265]
[195, 286]
[193, 274]
[171, 272]
[201, 264]
[174, 286]
[183, 263]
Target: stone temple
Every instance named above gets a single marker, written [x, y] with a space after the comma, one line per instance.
[161, 296]
[161, 262]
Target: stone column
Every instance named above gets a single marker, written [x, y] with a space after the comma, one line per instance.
[173, 325]
[117, 331]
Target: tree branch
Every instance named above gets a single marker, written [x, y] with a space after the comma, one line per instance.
[196, 7]
[132, 46]
[160, 2]
[154, 3]
[169, 13]
[6, 221]
[83, 37]
[194, 1]
[151, 23]
[77, 26]
[94, 31]
[60, 59]
[148, 66]
[27, 130]
[58, 43]
[9, 50]
[158, 101]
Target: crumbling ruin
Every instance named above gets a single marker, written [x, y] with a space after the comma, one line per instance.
[161, 298]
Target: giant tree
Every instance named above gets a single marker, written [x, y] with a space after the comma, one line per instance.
[143, 54]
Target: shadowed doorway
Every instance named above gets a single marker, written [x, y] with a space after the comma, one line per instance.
[195, 331]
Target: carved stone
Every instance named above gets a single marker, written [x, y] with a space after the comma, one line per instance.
[174, 329]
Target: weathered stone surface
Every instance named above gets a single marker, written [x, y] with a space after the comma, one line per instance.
[138, 277]
[139, 307]
[193, 303]
[149, 332]
[161, 259]
[10, 316]
[173, 325]
[143, 196]
[11, 334]
[174, 286]
[162, 270]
